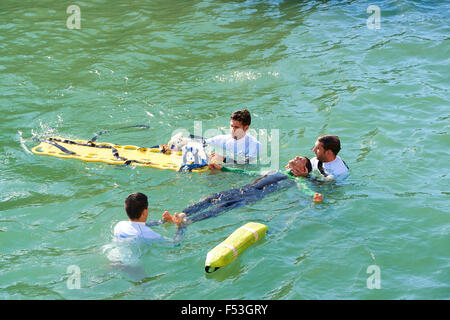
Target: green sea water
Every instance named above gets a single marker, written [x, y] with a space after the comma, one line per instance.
[303, 68]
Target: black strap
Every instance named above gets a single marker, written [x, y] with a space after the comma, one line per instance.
[106, 131]
[345, 164]
[320, 167]
[59, 147]
[115, 152]
[209, 269]
[88, 144]
[247, 160]
[98, 134]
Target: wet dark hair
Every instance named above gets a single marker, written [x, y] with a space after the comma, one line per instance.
[330, 142]
[308, 164]
[135, 204]
[243, 116]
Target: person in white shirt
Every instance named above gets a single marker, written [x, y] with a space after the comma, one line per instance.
[136, 207]
[327, 161]
[236, 147]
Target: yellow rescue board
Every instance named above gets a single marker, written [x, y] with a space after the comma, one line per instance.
[111, 153]
[234, 245]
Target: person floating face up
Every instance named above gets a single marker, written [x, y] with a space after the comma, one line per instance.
[233, 198]
[300, 166]
[326, 162]
[236, 147]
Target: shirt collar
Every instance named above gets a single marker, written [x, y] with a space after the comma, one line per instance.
[245, 135]
[135, 222]
[331, 162]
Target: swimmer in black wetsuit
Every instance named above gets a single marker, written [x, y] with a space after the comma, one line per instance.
[226, 200]
[230, 199]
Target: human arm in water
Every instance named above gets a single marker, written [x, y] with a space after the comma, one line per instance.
[296, 169]
[317, 197]
[239, 170]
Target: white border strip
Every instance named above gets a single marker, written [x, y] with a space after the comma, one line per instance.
[230, 247]
[251, 230]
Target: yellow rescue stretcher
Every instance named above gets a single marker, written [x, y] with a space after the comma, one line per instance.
[234, 245]
[112, 153]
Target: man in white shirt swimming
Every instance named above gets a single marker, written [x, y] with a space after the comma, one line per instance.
[136, 207]
[236, 147]
[327, 161]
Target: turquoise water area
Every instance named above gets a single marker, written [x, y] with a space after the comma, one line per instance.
[304, 68]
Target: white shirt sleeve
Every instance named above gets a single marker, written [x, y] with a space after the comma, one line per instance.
[245, 147]
[136, 230]
[215, 141]
[216, 144]
[333, 169]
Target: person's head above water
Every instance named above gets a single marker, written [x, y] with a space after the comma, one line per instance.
[300, 166]
[327, 147]
[239, 123]
[136, 206]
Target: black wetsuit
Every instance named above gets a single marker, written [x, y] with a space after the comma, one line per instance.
[234, 198]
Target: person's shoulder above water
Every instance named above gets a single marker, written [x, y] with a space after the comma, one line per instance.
[226, 138]
[217, 140]
[334, 168]
[124, 229]
[338, 166]
[138, 230]
[253, 140]
[327, 161]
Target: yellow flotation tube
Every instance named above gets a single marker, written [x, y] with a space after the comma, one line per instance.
[234, 245]
[111, 153]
